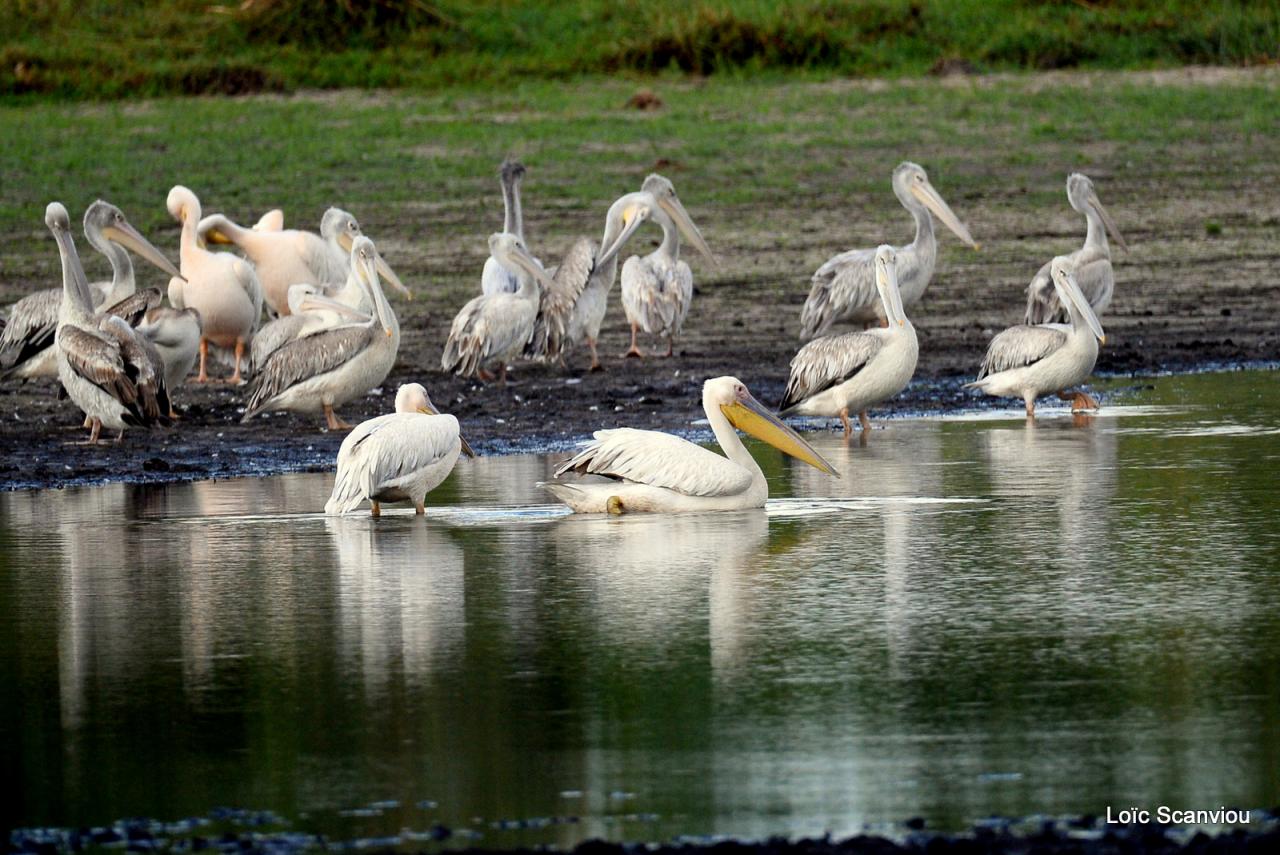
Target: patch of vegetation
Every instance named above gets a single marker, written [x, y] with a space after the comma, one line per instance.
[105, 49]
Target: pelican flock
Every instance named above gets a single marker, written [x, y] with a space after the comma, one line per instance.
[119, 353]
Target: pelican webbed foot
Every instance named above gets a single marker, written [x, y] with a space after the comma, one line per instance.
[865, 422]
[1080, 400]
[614, 506]
[844, 420]
[333, 421]
[375, 509]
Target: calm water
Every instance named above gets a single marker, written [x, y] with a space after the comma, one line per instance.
[981, 617]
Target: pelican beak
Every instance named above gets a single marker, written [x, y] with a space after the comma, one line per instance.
[466, 447]
[128, 237]
[750, 416]
[1082, 306]
[530, 265]
[345, 240]
[317, 303]
[684, 223]
[368, 271]
[212, 235]
[1107, 221]
[632, 218]
[927, 195]
[385, 271]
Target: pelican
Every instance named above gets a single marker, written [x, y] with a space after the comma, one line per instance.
[222, 288]
[329, 368]
[284, 257]
[26, 344]
[1028, 361]
[175, 334]
[497, 279]
[1092, 262]
[108, 370]
[657, 289]
[649, 471]
[492, 329]
[838, 374]
[398, 457]
[844, 288]
[573, 309]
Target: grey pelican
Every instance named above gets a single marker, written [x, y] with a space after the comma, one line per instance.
[658, 288]
[497, 279]
[175, 334]
[109, 371]
[329, 368]
[844, 288]
[26, 344]
[648, 471]
[1028, 361]
[838, 374]
[492, 329]
[1091, 263]
[399, 457]
[284, 257]
[222, 288]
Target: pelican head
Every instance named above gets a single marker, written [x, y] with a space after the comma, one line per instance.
[886, 264]
[73, 278]
[910, 182]
[625, 216]
[511, 171]
[183, 205]
[1069, 293]
[413, 398]
[340, 227]
[1082, 196]
[56, 218]
[744, 412]
[510, 252]
[664, 193]
[104, 220]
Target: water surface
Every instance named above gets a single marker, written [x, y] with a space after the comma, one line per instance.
[983, 616]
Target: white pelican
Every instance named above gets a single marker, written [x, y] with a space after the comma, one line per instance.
[26, 344]
[1091, 263]
[399, 457]
[1028, 361]
[328, 368]
[284, 257]
[657, 289]
[838, 374]
[175, 334]
[644, 470]
[222, 288]
[844, 288]
[492, 329]
[109, 371]
[497, 279]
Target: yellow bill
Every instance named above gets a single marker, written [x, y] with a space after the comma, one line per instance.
[752, 417]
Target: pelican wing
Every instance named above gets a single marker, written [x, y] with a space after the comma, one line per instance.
[1042, 299]
[32, 325]
[649, 296]
[844, 283]
[135, 307]
[555, 307]
[659, 460]
[97, 359]
[143, 365]
[247, 279]
[1022, 345]
[488, 326]
[386, 451]
[304, 358]
[829, 361]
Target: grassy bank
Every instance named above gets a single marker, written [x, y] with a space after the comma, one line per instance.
[101, 49]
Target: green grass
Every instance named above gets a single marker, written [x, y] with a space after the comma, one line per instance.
[100, 49]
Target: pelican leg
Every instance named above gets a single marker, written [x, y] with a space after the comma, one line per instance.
[173, 414]
[235, 378]
[375, 509]
[331, 418]
[94, 430]
[119, 437]
[1080, 400]
[203, 376]
[634, 352]
[865, 422]
[502, 375]
[1031, 407]
[671, 346]
[88, 422]
[844, 420]
[595, 357]
[484, 376]
[420, 506]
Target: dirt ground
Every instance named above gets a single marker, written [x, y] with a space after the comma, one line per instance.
[1198, 287]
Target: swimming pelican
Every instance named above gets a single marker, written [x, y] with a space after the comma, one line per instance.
[109, 371]
[1028, 361]
[222, 288]
[329, 368]
[644, 470]
[284, 257]
[573, 309]
[844, 288]
[399, 457]
[497, 279]
[1092, 262]
[838, 374]
[26, 344]
[492, 329]
[175, 334]
[657, 289]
